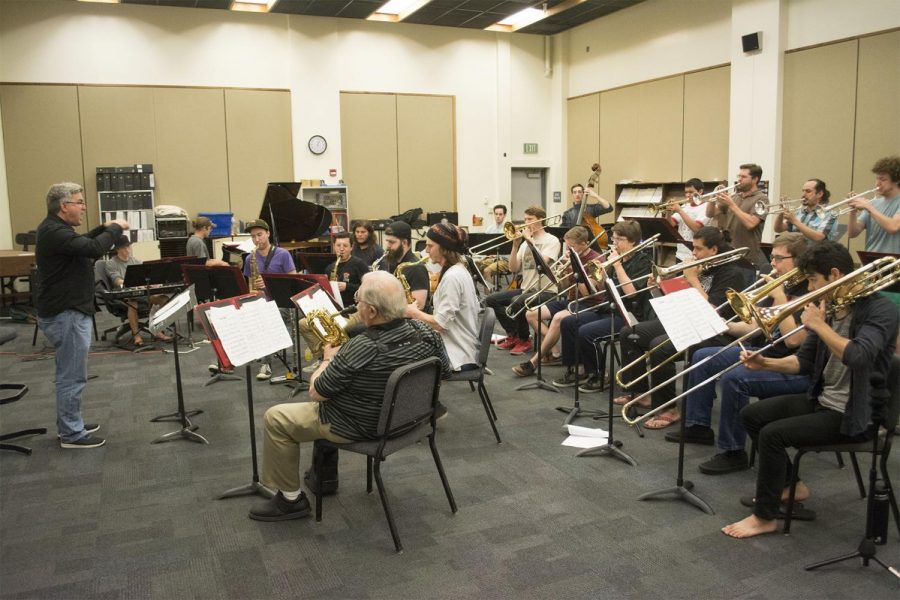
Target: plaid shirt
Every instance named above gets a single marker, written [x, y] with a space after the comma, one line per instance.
[818, 219]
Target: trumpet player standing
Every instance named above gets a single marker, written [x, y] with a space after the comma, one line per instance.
[842, 355]
[811, 218]
[880, 218]
[689, 217]
[742, 214]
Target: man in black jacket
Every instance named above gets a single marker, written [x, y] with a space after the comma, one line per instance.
[65, 302]
[842, 354]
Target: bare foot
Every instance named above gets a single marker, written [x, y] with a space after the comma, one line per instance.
[801, 495]
[749, 527]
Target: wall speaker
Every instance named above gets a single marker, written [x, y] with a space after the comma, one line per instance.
[751, 41]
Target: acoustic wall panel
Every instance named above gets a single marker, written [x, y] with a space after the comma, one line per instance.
[426, 158]
[582, 141]
[706, 109]
[659, 129]
[619, 147]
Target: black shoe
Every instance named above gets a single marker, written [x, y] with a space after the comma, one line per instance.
[693, 434]
[88, 428]
[329, 486]
[726, 462]
[87, 441]
[592, 385]
[566, 381]
[279, 508]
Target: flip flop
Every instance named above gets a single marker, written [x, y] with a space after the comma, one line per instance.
[666, 420]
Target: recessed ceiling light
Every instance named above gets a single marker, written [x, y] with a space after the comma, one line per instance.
[253, 5]
[531, 15]
[101, 1]
[396, 10]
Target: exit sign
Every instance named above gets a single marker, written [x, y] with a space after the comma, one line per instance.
[531, 148]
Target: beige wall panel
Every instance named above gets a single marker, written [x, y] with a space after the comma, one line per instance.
[369, 153]
[819, 104]
[706, 121]
[425, 154]
[659, 133]
[42, 140]
[619, 111]
[582, 140]
[877, 112]
[258, 130]
[117, 129]
[192, 164]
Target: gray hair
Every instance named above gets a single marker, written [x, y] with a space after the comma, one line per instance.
[59, 193]
[383, 291]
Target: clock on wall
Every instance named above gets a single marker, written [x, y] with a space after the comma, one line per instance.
[317, 144]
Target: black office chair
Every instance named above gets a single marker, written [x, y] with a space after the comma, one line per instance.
[13, 392]
[475, 377]
[407, 416]
[116, 308]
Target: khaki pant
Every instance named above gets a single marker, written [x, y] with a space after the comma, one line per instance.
[286, 426]
[313, 343]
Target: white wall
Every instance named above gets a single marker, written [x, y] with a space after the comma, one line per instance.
[811, 22]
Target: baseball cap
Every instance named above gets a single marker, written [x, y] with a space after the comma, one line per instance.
[256, 223]
[399, 229]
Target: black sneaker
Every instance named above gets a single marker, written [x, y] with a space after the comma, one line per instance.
[566, 381]
[592, 385]
[88, 441]
[329, 486]
[88, 428]
[726, 462]
[693, 434]
[280, 508]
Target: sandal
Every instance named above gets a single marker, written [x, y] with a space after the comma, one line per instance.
[524, 369]
[662, 421]
[549, 361]
[623, 400]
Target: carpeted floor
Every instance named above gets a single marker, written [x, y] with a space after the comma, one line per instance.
[140, 520]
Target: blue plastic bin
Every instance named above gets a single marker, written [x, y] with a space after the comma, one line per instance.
[221, 223]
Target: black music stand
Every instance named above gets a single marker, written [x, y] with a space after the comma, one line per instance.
[163, 271]
[281, 287]
[504, 248]
[212, 284]
[179, 305]
[542, 269]
[314, 262]
[661, 226]
[477, 275]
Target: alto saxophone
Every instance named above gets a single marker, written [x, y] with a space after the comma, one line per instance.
[398, 273]
[333, 276]
[326, 328]
[254, 271]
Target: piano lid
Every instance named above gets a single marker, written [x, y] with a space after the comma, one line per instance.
[292, 219]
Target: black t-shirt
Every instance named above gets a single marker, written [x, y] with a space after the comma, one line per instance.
[351, 273]
[637, 266]
[726, 277]
[416, 276]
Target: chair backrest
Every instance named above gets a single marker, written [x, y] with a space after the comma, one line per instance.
[100, 274]
[892, 414]
[410, 396]
[488, 318]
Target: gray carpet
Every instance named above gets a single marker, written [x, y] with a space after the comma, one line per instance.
[135, 520]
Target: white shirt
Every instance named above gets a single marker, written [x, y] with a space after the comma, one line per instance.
[494, 228]
[547, 245]
[456, 310]
[697, 213]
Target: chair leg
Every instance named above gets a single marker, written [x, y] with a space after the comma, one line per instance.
[859, 479]
[440, 468]
[387, 509]
[840, 459]
[471, 386]
[18, 434]
[489, 403]
[752, 452]
[890, 487]
[94, 321]
[488, 410]
[369, 461]
[795, 476]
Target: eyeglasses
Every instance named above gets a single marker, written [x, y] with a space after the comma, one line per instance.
[81, 202]
[776, 258]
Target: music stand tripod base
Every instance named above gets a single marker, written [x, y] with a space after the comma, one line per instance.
[188, 432]
[222, 377]
[613, 449]
[682, 492]
[254, 487]
[176, 416]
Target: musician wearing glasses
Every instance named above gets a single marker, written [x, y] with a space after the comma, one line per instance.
[742, 214]
[65, 302]
[346, 393]
[588, 328]
[712, 283]
[456, 306]
[741, 383]
[398, 241]
[601, 207]
[880, 218]
[811, 219]
[688, 218]
[521, 260]
[843, 354]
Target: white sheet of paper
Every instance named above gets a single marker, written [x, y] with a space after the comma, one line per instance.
[585, 437]
[318, 300]
[239, 330]
[179, 301]
[687, 318]
[337, 293]
[247, 245]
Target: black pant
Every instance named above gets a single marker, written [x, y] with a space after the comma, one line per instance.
[513, 300]
[782, 422]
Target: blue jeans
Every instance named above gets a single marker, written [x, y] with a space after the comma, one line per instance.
[738, 385]
[70, 334]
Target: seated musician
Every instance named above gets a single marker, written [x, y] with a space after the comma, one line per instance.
[347, 271]
[843, 354]
[712, 284]
[115, 272]
[456, 306]
[398, 241]
[576, 238]
[601, 207]
[492, 266]
[689, 217]
[196, 246]
[739, 384]
[587, 328]
[346, 393]
[365, 244]
[269, 259]
[521, 260]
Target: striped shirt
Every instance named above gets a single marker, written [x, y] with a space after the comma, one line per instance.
[818, 218]
[354, 380]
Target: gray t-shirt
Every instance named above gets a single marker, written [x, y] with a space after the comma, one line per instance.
[836, 376]
[196, 247]
[877, 239]
[115, 268]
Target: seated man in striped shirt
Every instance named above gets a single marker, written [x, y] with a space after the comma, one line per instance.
[346, 392]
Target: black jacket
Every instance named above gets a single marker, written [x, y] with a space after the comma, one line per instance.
[65, 262]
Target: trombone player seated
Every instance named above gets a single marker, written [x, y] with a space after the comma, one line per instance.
[346, 392]
[848, 347]
[740, 384]
[712, 283]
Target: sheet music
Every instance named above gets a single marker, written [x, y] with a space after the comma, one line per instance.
[179, 301]
[687, 318]
[336, 292]
[585, 437]
[239, 330]
[318, 300]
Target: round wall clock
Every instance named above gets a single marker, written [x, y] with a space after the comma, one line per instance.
[317, 144]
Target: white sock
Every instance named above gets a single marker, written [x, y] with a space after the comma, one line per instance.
[291, 496]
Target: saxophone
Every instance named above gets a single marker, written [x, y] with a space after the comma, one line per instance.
[398, 273]
[254, 271]
[326, 328]
[333, 276]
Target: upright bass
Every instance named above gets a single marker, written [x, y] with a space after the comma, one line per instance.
[586, 219]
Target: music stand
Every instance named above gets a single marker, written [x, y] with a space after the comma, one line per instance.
[212, 284]
[281, 287]
[477, 239]
[544, 270]
[868, 257]
[661, 226]
[168, 315]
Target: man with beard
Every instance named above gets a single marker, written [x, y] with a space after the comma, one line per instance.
[811, 219]
[398, 242]
[740, 214]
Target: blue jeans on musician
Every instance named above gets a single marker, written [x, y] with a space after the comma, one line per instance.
[738, 385]
[70, 334]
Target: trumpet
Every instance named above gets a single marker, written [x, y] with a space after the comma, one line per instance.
[841, 293]
[510, 232]
[843, 207]
[782, 206]
[703, 263]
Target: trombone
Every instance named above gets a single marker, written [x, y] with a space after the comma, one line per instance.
[843, 207]
[704, 263]
[842, 292]
[510, 232]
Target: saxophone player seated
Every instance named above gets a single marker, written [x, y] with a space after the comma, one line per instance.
[346, 393]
